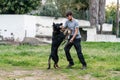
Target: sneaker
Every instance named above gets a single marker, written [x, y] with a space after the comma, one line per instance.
[69, 65]
[84, 68]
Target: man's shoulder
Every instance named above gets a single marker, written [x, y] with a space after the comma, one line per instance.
[75, 20]
[67, 20]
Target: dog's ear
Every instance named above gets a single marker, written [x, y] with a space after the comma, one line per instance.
[61, 23]
[53, 23]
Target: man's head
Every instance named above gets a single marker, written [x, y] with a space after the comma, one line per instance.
[69, 15]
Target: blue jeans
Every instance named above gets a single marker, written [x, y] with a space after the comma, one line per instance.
[77, 46]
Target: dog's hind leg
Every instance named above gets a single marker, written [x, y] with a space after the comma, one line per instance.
[49, 62]
[56, 66]
[56, 59]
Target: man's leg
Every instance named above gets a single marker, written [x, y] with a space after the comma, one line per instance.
[77, 46]
[67, 52]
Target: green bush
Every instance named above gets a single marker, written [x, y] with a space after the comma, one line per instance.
[18, 6]
[50, 10]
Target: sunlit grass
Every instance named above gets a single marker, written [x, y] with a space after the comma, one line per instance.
[102, 59]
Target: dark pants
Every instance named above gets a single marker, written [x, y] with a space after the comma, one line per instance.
[77, 46]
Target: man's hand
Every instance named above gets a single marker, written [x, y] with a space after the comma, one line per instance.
[62, 28]
[74, 35]
[71, 40]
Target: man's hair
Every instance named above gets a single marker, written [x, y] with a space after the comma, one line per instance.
[68, 13]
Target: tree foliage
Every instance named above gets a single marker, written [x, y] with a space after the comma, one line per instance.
[74, 5]
[111, 13]
[18, 6]
[78, 7]
[50, 10]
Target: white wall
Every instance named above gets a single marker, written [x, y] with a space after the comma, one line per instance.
[91, 32]
[18, 24]
[93, 37]
[45, 24]
[30, 25]
[105, 38]
[106, 27]
[12, 24]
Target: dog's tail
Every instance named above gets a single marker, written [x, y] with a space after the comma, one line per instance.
[49, 62]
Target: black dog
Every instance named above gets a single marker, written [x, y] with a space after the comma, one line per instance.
[57, 37]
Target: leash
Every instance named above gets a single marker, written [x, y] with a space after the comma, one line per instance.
[62, 45]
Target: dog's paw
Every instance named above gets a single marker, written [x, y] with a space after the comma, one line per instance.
[56, 66]
[48, 68]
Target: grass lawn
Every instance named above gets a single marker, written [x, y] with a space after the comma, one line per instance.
[103, 60]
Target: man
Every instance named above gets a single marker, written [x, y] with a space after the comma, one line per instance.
[74, 39]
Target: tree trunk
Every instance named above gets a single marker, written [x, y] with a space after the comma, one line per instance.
[117, 20]
[97, 13]
[93, 12]
[101, 13]
[100, 32]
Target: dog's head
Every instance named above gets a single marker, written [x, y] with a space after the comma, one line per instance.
[56, 27]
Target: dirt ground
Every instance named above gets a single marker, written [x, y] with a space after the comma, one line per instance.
[31, 75]
[37, 75]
